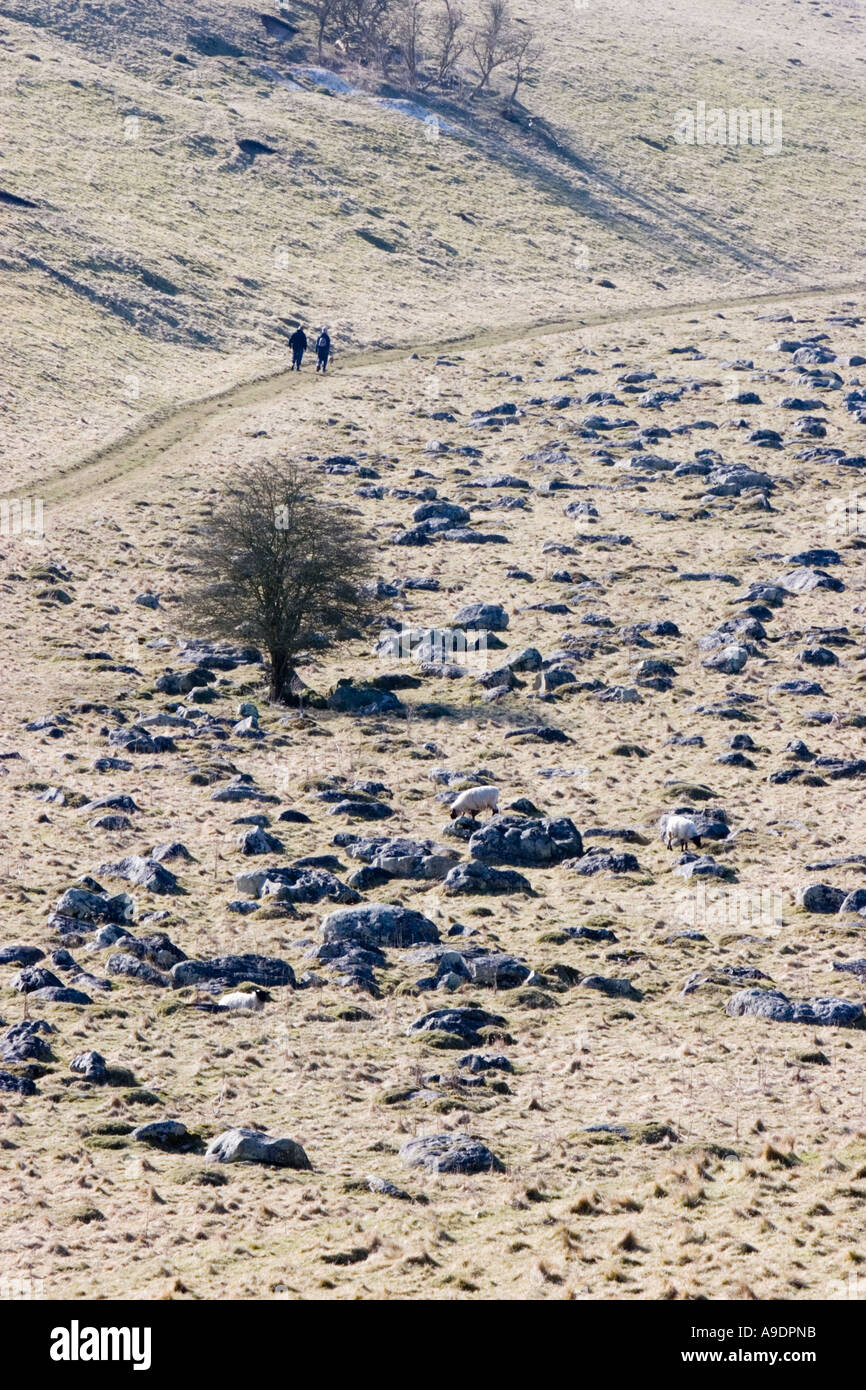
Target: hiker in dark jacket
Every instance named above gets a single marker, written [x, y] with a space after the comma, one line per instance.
[323, 351]
[298, 344]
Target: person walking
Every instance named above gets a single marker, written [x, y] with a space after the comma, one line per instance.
[298, 344]
[323, 351]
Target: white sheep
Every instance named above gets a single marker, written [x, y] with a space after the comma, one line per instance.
[476, 799]
[245, 1001]
[674, 829]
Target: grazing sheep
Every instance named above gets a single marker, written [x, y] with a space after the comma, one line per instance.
[679, 830]
[476, 799]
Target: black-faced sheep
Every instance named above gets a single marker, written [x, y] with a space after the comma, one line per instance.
[679, 830]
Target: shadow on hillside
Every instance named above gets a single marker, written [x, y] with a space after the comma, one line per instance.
[499, 715]
[657, 221]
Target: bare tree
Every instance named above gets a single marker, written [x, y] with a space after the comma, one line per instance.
[365, 29]
[409, 28]
[448, 42]
[277, 563]
[526, 53]
[492, 41]
[325, 13]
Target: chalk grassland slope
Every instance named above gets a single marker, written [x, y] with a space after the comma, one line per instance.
[760, 1192]
[188, 206]
[616, 75]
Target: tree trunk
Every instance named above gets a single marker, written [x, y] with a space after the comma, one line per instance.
[282, 674]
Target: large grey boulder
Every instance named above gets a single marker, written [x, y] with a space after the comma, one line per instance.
[17, 1085]
[774, 1005]
[348, 698]
[600, 860]
[490, 616]
[729, 661]
[450, 1153]
[711, 824]
[268, 971]
[92, 1066]
[182, 682]
[251, 1146]
[221, 656]
[529, 659]
[819, 897]
[147, 873]
[62, 994]
[805, 579]
[86, 906]
[475, 877]
[534, 843]
[290, 884]
[33, 977]
[438, 510]
[158, 949]
[23, 1042]
[170, 849]
[20, 955]
[464, 1022]
[256, 840]
[379, 924]
[404, 858]
[123, 963]
[704, 866]
[497, 970]
[357, 809]
[137, 739]
[111, 822]
[237, 790]
[615, 986]
[117, 802]
[162, 1134]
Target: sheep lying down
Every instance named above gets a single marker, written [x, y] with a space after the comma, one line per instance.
[476, 799]
[678, 830]
[245, 1001]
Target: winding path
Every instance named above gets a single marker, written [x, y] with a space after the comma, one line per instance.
[156, 435]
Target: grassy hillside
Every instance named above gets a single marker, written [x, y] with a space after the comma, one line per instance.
[158, 254]
[582, 334]
[732, 1168]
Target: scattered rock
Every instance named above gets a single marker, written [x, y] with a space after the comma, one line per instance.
[615, 986]
[121, 963]
[147, 873]
[819, 897]
[534, 843]
[92, 1067]
[772, 1004]
[475, 877]
[252, 1146]
[268, 971]
[23, 1042]
[162, 1134]
[462, 1023]
[450, 1153]
[379, 925]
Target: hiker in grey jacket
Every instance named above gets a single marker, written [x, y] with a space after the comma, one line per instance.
[323, 351]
